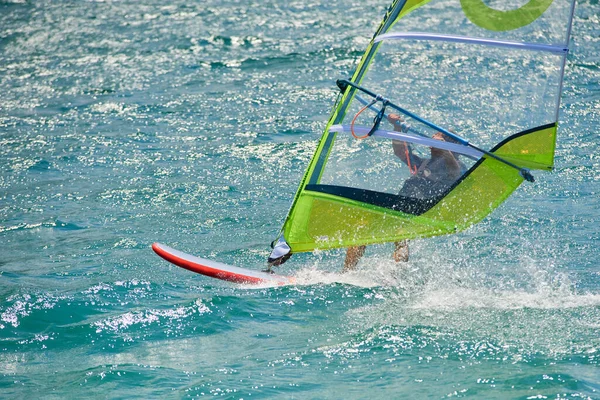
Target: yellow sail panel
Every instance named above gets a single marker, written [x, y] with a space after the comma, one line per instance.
[535, 151]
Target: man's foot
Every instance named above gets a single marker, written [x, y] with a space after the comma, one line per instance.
[353, 255]
[400, 251]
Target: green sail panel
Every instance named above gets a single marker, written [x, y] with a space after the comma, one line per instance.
[489, 73]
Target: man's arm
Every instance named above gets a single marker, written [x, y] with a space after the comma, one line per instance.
[452, 165]
[401, 149]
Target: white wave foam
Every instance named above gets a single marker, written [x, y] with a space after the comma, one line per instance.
[124, 321]
[313, 276]
[462, 298]
[24, 305]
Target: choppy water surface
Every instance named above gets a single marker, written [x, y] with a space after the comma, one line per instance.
[125, 123]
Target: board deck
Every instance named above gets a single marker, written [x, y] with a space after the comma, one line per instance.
[219, 270]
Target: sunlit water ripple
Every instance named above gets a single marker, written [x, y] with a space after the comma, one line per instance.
[123, 123]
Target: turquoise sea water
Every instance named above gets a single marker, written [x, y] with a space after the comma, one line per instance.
[124, 123]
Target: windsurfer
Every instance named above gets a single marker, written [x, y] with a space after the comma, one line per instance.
[431, 176]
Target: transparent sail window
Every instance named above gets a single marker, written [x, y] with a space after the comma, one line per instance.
[484, 94]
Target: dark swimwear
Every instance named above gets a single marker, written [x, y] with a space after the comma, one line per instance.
[432, 179]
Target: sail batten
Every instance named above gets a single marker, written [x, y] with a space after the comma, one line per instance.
[409, 138]
[558, 49]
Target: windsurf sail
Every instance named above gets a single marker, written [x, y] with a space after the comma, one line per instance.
[443, 118]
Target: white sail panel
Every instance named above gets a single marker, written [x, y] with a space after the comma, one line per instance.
[484, 93]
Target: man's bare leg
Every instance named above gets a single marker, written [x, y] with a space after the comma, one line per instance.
[353, 255]
[401, 251]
